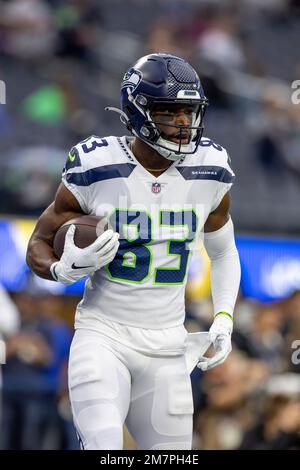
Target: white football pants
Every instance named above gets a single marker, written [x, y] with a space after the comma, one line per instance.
[110, 384]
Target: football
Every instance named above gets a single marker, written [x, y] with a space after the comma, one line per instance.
[88, 228]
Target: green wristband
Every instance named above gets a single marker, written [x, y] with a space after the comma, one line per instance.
[224, 313]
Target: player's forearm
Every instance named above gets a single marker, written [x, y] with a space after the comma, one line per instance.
[225, 281]
[40, 256]
[225, 268]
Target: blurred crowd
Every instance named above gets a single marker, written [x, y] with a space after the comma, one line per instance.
[35, 410]
[71, 55]
[62, 62]
[252, 401]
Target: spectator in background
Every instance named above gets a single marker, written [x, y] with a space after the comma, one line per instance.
[266, 336]
[79, 30]
[275, 127]
[29, 178]
[32, 377]
[166, 36]
[54, 103]
[218, 51]
[253, 401]
[278, 426]
[51, 307]
[27, 28]
[220, 44]
[228, 388]
[9, 315]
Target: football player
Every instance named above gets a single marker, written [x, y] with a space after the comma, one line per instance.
[160, 188]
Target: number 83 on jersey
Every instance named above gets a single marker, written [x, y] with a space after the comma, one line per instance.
[152, 247]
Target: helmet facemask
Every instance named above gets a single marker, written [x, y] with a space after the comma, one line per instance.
[172, 146]
[173, 141]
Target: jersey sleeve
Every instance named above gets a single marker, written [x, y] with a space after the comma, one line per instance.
[74, 177]
[225, 180]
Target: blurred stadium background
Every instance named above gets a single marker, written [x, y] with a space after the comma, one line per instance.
[62, 62]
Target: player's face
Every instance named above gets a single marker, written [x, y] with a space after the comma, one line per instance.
[167, 116]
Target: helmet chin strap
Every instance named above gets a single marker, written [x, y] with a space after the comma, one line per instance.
[169, 153]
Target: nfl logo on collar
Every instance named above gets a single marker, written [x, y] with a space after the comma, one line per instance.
[156, 187]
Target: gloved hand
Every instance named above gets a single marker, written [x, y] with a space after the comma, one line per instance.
[76, 263]
[220, 336]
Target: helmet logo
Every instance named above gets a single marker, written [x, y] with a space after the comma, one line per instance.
[131, 79]
[145, 131]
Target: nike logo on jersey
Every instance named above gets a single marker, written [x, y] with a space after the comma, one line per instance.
[79, 267]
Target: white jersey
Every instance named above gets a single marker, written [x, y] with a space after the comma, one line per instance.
[158, 220]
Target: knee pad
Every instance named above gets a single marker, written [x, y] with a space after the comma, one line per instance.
[100, 426]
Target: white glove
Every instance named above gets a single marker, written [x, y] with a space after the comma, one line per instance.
[76, 263]
[220, 336]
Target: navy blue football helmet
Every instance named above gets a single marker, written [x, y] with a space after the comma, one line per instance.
[163, 79]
